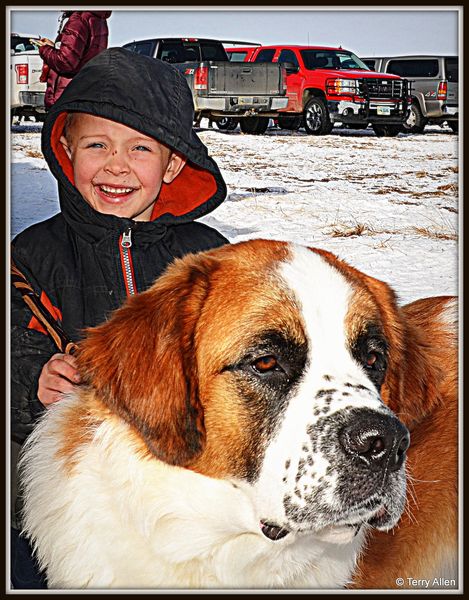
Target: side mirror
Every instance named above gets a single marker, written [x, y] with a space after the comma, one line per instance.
[290, 68]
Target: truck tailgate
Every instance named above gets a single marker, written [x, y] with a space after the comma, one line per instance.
[226, 78]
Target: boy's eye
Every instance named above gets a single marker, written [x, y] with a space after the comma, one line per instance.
[95, 145]
[143, 148]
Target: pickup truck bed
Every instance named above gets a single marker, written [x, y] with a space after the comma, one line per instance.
[250, 92]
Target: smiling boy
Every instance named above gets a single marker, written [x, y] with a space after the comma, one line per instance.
[117, 170]
[132, 177]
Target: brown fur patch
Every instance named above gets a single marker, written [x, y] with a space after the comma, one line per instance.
[151, 363]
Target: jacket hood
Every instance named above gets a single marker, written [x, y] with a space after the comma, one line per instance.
[152, 97]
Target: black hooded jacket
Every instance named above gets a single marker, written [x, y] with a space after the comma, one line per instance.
[74, 260]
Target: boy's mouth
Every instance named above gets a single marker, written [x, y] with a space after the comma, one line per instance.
[113, 192]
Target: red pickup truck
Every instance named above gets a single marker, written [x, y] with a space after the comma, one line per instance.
[332, 85]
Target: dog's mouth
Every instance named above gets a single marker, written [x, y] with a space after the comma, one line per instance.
[341, 531]
[272, 531]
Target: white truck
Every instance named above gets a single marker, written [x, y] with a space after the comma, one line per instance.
[26, 90]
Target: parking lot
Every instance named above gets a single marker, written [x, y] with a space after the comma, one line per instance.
[387, 205]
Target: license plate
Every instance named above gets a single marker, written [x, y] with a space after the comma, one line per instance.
[383, 110]
[245, 100]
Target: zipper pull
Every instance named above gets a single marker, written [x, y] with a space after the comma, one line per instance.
[127, 239]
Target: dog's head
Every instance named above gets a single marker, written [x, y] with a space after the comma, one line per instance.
[272, 366]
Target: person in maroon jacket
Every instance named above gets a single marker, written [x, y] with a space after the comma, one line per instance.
[82, 35]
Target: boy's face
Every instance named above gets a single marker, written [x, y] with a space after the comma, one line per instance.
[118, 170]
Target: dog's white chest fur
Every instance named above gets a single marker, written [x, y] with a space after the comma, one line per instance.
[154, 525]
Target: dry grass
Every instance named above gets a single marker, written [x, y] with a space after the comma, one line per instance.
[351, 230]
[33, 153]
[435, 235]
[448, 187]
[389, 190]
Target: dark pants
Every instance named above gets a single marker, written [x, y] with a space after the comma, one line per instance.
[25, 574]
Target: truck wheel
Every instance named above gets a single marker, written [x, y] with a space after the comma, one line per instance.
[316, 117]
[386, 130]
[415, 122]
[226, 123]
[290, 123]
[254, 125]
[454, 126]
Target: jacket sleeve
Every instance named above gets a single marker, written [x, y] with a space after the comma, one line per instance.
[66, 60]
[29, 351]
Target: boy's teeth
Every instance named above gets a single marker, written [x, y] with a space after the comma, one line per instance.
[116, 190]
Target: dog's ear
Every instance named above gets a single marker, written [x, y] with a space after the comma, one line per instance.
[141, 363]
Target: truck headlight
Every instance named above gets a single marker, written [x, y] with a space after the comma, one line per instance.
[341, 87]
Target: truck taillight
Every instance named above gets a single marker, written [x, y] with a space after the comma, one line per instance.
[284, 79]
[442, 90]
[201, 78]
[22, 73]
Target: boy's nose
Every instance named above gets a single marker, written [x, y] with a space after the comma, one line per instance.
[117, 163]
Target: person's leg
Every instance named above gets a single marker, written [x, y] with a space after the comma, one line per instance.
[25, 573]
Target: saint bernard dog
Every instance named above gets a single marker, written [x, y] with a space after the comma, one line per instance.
[236, 428]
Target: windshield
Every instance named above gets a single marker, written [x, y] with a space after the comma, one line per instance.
[332, 59]
[21, 44]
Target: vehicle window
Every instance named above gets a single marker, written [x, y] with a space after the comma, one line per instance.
[425, 67]
[146, 47]
[237, 56]
[332, 59]
[265, 55]
[171, 52]
[370, 63]
[189, 53]
[212, 51]
[21, 44]
[451, 68]
[288, 56]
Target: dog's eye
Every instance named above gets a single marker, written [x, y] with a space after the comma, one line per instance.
[371, 359]
[266, 364]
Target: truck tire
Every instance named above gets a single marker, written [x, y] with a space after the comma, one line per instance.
[454, 126]
[226, 123]
[415, 122]
[290, 123]
[316, 117]
[386, 130]
[254, 125]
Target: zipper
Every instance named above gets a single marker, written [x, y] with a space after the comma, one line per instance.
[125, 243]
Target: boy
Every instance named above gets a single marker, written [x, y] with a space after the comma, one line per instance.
[132, 178]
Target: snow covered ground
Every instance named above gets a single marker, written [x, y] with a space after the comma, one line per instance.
[389, 206]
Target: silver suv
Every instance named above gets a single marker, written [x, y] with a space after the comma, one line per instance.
[434, 87]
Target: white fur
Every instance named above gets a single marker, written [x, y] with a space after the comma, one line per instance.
[132, 523]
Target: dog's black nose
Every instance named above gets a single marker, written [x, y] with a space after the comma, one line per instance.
[380, 441]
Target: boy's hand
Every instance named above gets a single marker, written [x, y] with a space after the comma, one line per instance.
[58, 376]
